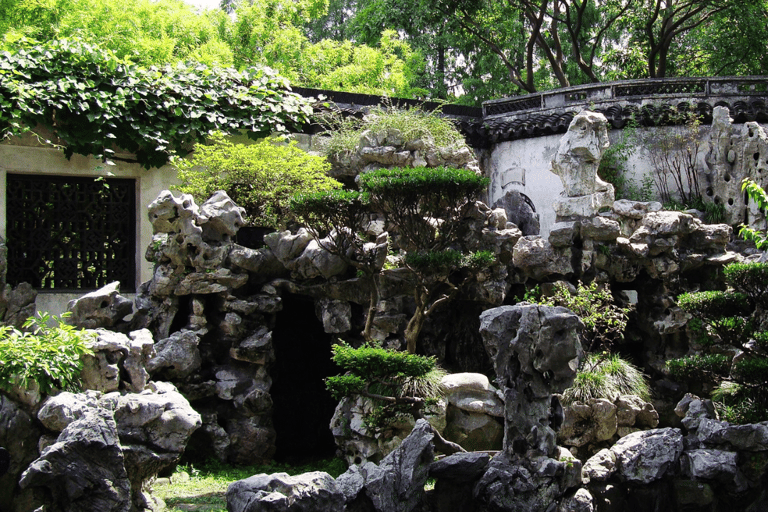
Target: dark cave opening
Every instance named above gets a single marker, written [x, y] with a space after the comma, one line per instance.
[303, 408]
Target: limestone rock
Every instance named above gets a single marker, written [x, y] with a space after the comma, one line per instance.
[336, 315]
[520, 212]
[473, 431]
[104, 307]
[177, 356]
[84, 470]
[286, 246]
[537, 258]
[60, 410]
[646, 456]
[535, 352]
[472, 392]
[220, 218]
[579, 155]
[309, 492]
[600, 466]
[19, 433]
[635, 209]
[581, 501]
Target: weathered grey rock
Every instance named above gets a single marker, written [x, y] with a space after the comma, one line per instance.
[279, 492]
[286, 246]
[635, 209]
[104, 307]
[563, 234]
[600, 466]
[708, 464]
[256, 348]
[177, 356]
[600, 229]
[60, 410]
[749, 437]
[19, 304]
[220, 218]
[84, 470]
[252, 440]
[19, 434]
[460, 466]
[315, 261]
[520, 212]
[520, 483]
[397, 484]
[579, 155]
[336, 315]
[258, 261]
[537, 257]
[141, 349]
[472, 392]
[646, 456]
[581, 501]
[101, 371]
[535, 351]
[159, 418]
[473, 431]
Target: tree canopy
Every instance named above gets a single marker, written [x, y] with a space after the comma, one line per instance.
[466, 51]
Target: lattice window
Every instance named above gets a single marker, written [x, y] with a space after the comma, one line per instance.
[67, 233]
[515, 105]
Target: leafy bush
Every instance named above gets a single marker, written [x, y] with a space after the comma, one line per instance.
[413, 124]
[49, 356]
[94, 102]
[757, 194]
[261, 177]
[606, 376]
[604, 321]
[713, 303]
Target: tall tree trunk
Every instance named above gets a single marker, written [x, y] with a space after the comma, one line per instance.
[372, 305]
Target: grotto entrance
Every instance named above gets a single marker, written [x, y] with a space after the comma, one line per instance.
[302, 407]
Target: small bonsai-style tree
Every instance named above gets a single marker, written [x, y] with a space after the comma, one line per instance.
[399, 384]
[336, 219]
[426, 206]
[724, 323]
[261, 177]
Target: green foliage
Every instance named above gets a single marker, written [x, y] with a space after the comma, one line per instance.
[447, 260]
[339, 211]
[399, 384]
[96, 103]
[750, 278]
[701, 368]
[145, 32]
[613, 167]
[372, 362]
[729, 318]
[757, 194]
[413, 124]
[606, 376]
[604, 321]
[412, 196]
[713, 303]
[261, 177]
[48, 356]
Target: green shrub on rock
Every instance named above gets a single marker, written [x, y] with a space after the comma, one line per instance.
[261, 177]
[606, 376]
[48, 356]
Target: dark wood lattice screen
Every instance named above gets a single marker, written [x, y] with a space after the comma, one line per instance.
[67, 233]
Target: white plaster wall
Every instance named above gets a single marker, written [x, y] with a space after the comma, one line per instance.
[526, 166]
[36, 159]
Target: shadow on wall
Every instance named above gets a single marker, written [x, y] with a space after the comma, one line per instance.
[302, 406]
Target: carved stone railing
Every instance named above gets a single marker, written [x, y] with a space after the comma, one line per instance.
[637, 92]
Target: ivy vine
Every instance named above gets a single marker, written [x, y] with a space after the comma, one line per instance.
[95, 103]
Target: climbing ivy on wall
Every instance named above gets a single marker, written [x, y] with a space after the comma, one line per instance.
[95, 103]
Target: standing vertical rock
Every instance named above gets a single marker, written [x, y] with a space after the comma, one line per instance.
[535, 351]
